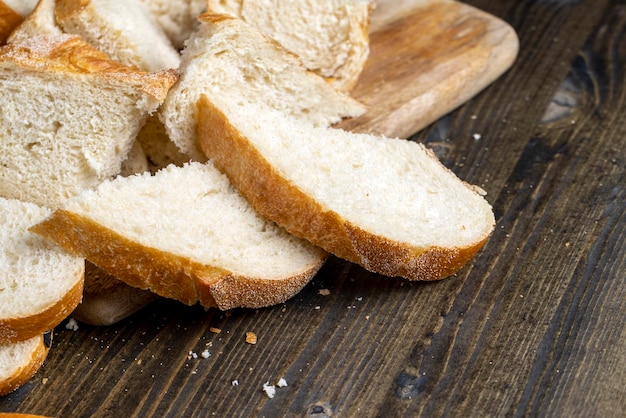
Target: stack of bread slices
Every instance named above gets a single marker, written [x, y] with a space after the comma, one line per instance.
[192, 156]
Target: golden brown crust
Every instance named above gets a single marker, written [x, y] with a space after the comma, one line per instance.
[163, 273]
[9, 20]
[69, 54]
[23, 328]
[23, 374]
[302, 216]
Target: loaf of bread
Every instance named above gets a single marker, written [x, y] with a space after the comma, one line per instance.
[40, 284]
[329, 36]
[280, 80]
[69, 116]
[20, 361]
[123, 29]
[186, 234]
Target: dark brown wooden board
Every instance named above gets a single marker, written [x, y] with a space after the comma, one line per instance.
[534, 326]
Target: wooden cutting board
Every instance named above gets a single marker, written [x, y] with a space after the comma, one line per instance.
[427, 58]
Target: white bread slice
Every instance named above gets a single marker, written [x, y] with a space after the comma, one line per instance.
[212, 59]
[20, 361]
[69, 116]
[123, 29]
[330, 36]
[386, 204]
[186, 234]
[40, 21]
[178, 19]
[40, 284]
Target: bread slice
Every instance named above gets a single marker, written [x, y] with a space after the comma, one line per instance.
[123, 29]
[330, 36]
[40, 21]
[40, 284]
[186, 234]
[212, 60]
[69, 116]
[386, 204]
[9, 20]
[178, 19]
[20, 361]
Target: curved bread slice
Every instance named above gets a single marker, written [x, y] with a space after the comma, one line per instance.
[386, 204]
[20, 361]
[186, 234]
[212, 60]
[329, 36]
[40, 284]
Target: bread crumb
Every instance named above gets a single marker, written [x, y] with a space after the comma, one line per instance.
[205, 354]
[250, 337]
[281, 383]
[44, 380]
[324, 292]
[270, 390]
[191, 355]
[72, 325]
[477, 136]
[215, 330]
[235, 382]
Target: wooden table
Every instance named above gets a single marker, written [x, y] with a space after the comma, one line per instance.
[533, 326]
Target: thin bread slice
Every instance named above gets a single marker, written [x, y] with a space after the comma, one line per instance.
[331, 37]
[20, 361]
[123, 29]
[212, 59]
[186, 234]
[386, 204]
[69, 116]
[40, 284]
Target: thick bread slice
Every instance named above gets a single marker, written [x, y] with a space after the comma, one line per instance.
[178, 19]
[386, 204]
[330, 36]
[40, 284]
[213, 59]
[123, 29]
[186, 234]
[69, 116]
[20, 361]
[40, 21]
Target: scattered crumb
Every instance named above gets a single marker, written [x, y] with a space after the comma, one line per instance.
[270, 390]
[205, 354]
[281, 383]
[318, 307]
[215, 330]
[139, 361]
[477, 136]
[235, 382]
[44, 380]
[324, 292]
[72, 324]
[367, 317]
[567, 244]
[191, 355]
[250, 337]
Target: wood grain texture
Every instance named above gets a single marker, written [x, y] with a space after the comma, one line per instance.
[534, 326]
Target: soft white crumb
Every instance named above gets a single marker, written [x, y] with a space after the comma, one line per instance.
[205, 354]
[72, 324]
[191, 355]
[477, 136]
[235, 382]
[270, 390]
[281, 383]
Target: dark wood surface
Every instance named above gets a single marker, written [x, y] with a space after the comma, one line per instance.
[533, 326]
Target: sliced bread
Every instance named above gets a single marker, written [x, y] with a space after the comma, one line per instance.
[69, 116]
[20, 361]
[386, 204]
[123, 29]
[186, 234]
[213, 59]
[330, 36]
[9, 20]
[40, 21]
[40, 284]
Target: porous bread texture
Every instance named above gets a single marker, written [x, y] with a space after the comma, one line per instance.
[178, 19]
[40, 284]
[186, 234]
[123, 29]
[330, 36]
[212, 60]
[386, 204]
[20, 361]
[69, 116]
[40, 21]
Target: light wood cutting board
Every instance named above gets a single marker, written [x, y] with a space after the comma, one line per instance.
[427, 58]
